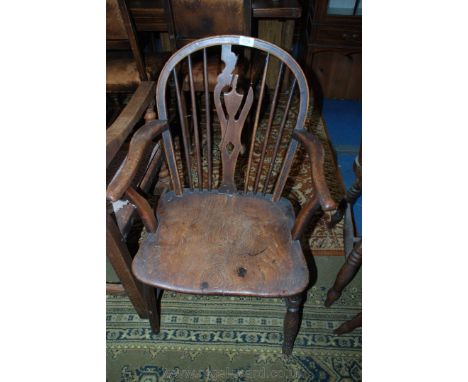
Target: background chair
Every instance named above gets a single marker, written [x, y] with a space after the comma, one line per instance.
[353, 247]
[224, 228]
[121, 217]
[126, 65]
[190, 20]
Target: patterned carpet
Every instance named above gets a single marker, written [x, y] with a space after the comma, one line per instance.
[210, 338]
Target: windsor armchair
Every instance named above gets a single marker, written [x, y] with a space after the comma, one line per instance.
[225, 229]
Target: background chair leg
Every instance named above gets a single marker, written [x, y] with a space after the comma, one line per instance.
[346, 274]
[153, 308]
[349, 326]
[292, 321]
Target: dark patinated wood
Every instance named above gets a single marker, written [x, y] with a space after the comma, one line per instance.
[279, 136]
[292, 322]
[132, 39]
[349, 326]
[276, 9]
[317, 158]
[346, 274]
[257, 118]
[225, 241]
[196, 131]
[331, 51]
[117, 252]
[144, 209]
[121, 260]
[305, 214]
[352, 194]
[138, 145]
[191, 20]
[207, 117]
[270, 122]
[183, 124]
[127, 119]
[231, 128]
[217, 243]
[151, 295]
[126, 65]
[255, 44]
[354, 256]
[149, 15]
[126, 214]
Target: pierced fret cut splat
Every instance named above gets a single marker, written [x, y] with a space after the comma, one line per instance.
[231, 128]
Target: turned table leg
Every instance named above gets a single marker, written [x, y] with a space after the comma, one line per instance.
[352, 194]
[346, 274]
[292, 321]
[349, 326]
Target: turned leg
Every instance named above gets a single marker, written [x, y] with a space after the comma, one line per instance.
[164, 180]
[349, 326]
[352, 194]
[292, 322]
[346, 274]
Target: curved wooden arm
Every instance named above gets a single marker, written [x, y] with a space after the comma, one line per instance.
[317, 158]
[140, 141]
[143, 208]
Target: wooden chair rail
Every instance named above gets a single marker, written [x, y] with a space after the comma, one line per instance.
[128, 118]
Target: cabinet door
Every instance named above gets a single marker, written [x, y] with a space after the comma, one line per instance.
[338, 11]
[339, 74]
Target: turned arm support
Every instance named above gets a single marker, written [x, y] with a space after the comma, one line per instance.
[321, 198]
[121, 183]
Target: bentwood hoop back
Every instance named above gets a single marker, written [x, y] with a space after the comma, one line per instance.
[231, 127]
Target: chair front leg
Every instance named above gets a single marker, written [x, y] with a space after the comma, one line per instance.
[292, 321]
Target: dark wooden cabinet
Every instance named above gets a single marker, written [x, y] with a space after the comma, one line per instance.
[331, 47]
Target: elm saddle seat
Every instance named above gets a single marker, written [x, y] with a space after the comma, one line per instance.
[209, 242]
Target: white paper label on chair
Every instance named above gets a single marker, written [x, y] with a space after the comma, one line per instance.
[119, 204]
[246, 41]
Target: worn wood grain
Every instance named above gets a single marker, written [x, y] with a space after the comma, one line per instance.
[139, 143]
[215, 243]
